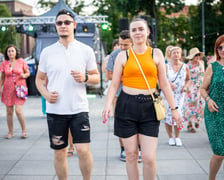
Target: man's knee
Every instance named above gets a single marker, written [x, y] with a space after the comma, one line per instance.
[60, 154]
[83, 150]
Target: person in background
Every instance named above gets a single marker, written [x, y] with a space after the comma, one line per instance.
[135, 118]
[71, 147]
[68, 65]
[212, 92]
[115, 45]
[125, 43]
[179, 78]
[194, 104]
[167, 54]
[14, 71]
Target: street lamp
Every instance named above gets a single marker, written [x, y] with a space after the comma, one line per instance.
[203, 25]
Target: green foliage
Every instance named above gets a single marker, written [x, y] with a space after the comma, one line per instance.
[76, 5]
[9, 36]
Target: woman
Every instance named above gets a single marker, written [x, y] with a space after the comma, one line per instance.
[14, 72]
[167, 54]
[194, 104]
[135, 113]
[179, 78]
[212, 91]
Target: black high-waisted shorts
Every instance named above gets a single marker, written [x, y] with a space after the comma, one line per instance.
[135, 114]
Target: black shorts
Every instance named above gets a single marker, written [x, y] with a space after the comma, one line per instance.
[58, 126]
[135, 114]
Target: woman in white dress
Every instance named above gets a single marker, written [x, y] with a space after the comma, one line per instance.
[178, 75]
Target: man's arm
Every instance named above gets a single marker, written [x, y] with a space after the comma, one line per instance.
[93, 77]
[41, 80]
[109, 74]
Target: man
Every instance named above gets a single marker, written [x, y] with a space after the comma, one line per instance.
[68, 65]
[125, 43]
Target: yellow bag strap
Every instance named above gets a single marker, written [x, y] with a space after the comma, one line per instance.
[139, 65]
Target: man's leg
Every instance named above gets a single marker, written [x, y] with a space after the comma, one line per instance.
[85, 159]
[61, 164]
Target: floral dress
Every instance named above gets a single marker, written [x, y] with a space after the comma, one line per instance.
[9, 91]
[178, 79]
[194, 104]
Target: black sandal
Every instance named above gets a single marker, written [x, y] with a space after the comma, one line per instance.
[190, 128]
[196, 125]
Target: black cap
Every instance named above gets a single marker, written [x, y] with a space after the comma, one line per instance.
[66, 12]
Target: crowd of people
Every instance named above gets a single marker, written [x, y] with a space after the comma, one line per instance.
[191, 92]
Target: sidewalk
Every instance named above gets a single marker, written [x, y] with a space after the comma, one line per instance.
[32, 159]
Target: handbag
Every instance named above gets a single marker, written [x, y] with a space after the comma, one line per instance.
[21, 91]
[158, 103]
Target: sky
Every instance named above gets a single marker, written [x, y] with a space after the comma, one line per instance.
[34, 3]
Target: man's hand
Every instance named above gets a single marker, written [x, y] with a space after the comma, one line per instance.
[52, 97]
[77, 76]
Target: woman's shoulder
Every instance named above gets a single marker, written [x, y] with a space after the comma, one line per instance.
[21, 60]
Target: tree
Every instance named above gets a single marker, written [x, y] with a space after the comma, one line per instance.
[76, 5]
[131, 8]
[8, 36]
[213, 25]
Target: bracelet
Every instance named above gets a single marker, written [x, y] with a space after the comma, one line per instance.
[87, 77]
[172, 109]
[206, 96]
[208, 100]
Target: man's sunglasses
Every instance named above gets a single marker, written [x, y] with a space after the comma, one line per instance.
[66, 22]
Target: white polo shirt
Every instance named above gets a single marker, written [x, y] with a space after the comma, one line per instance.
[57, 62]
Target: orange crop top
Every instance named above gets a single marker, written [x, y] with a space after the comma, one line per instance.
[132, 76]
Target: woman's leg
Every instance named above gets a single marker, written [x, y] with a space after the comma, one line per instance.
[169, 130]
[215, 163]
[9, 117]
[21, 118]
[177, 132]
[148, 150]
[131, 150]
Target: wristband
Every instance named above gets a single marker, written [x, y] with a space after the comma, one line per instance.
[87, 77]
[208, 100]
[206, 96]
[172, 109]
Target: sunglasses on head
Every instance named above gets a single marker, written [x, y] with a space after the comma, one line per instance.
[66, 22]
[220, 48]
[197, 55]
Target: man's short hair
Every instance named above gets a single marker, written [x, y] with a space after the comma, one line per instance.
[124, 34]
[66, 12]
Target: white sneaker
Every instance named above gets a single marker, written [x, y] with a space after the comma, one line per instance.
[171, 142]
[178, 142]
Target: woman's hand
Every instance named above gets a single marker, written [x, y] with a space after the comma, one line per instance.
[106, 114]
[23, 76]
[173, 86]
[183, 90]
[176, 117]
[212, 106]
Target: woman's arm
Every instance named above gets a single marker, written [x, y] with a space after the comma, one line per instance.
[212, 106]
[2, 79]
[26, 74]
[187, 80]
[165, 86]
